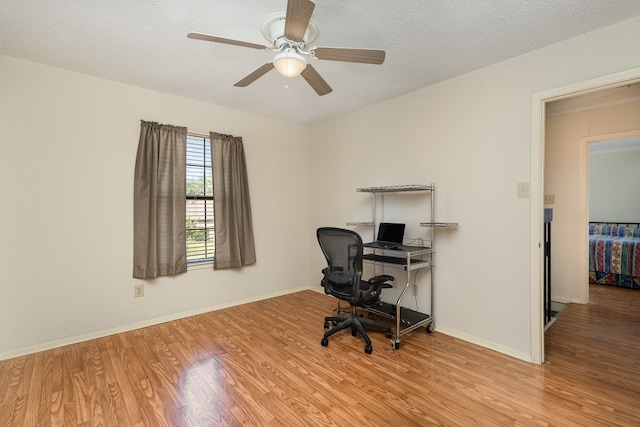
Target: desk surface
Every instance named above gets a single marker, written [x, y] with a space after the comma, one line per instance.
[407, 263]
[406, 250]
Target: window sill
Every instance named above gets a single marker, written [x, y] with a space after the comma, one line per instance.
[199, 265]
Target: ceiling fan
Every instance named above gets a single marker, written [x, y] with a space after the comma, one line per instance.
[289, 34]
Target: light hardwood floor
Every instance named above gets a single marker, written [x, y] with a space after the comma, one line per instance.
[262, 364]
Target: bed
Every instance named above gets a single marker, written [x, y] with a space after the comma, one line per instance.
[614, 254]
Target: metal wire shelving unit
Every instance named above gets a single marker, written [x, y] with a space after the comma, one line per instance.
[405, 257]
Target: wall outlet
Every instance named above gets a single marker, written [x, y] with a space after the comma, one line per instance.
[549, 199]
[414, 290]
[138, 290]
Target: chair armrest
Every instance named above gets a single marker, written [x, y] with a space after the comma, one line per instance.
[376, 280]
[326, 270]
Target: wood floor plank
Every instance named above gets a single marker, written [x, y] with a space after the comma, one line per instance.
[262, 364]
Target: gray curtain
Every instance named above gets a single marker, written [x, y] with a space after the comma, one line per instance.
[231, 205]
[159, 218]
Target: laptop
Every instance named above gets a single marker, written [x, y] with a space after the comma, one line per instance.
[390, 236]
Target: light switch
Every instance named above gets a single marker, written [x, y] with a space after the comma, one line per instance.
[523, 190]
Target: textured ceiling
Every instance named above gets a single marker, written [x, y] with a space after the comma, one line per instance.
[144, 43]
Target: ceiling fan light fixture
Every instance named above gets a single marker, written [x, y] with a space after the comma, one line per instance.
[289, 63]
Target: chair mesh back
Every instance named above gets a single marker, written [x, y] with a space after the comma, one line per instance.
[342, 249]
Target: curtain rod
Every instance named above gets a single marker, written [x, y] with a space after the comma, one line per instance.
[198, 134]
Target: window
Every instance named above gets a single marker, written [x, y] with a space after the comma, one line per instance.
[200, 233]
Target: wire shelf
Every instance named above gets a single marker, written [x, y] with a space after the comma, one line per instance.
[439, 224]
[395, 188]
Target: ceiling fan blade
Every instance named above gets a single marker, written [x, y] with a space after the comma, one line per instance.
[255, 75]
[297, 19]
[216, 39]
[316, 81]
[365, 56]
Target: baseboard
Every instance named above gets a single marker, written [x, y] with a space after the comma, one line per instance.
[470, 338]
[564, 300]
[486, 344]
[158, 320]
[549, 323]
[144, 324]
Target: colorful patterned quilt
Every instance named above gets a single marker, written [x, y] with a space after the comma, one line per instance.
[614, 256]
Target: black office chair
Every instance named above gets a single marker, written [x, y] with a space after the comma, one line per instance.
[343, 279]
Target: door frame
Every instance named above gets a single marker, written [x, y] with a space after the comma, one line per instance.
[538, 125]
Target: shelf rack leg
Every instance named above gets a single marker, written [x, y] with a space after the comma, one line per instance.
[430, 324]
[396, 341]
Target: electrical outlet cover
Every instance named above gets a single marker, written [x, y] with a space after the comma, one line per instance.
[138, 291]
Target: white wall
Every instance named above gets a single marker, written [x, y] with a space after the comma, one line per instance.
[62, 184]
[614, 193]
[67, 152]
[471, 136]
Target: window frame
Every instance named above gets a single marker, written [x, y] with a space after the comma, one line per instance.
[206, 196]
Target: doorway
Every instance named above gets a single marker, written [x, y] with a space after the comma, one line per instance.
[572, 126]
[540, 102]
